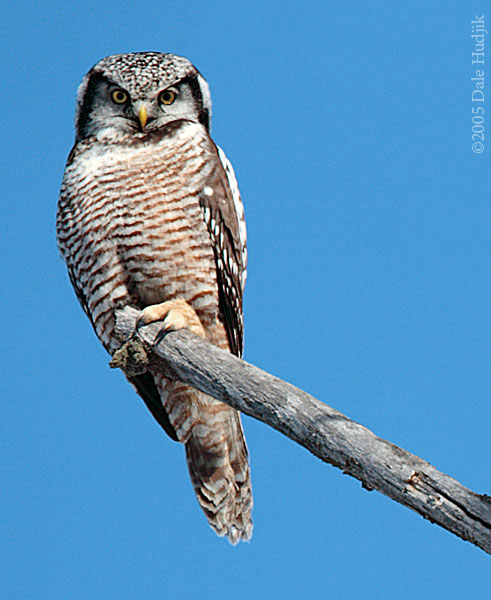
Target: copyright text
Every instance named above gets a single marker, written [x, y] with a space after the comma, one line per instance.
[478, 34]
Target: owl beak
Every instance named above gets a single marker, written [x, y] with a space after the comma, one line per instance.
[142, 116]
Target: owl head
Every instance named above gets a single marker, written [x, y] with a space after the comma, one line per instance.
[133, 94]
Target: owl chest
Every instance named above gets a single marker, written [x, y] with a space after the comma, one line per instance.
[148, 223]
[163, 246]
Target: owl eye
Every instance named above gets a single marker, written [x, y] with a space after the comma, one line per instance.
[119, 97]
[167, 97]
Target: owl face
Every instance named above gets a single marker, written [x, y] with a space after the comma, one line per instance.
[133, 94]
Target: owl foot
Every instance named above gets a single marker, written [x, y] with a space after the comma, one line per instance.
[175, 314]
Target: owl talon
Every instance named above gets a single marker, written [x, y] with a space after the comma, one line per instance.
[175, 314]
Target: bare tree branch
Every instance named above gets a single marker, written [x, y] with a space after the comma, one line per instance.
[327, 433]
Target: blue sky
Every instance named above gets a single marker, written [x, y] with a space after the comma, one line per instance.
[349, 127]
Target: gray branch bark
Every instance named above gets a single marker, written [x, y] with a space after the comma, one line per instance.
[325, 432]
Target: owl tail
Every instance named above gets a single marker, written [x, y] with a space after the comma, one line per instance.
[216, 455]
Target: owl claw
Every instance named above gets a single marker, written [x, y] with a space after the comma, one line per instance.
[175, 314]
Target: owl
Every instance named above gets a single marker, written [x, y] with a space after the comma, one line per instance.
[150, 216]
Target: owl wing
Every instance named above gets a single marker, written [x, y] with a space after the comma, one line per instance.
[224, 216]
[146, 388]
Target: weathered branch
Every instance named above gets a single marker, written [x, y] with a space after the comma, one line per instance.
[328, 434]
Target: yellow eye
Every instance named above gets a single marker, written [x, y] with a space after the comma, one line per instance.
[119, 97]
[167, 97]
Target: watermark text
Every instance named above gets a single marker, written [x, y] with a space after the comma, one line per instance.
[478, 35]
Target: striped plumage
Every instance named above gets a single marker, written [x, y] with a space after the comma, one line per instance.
[150, 212]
